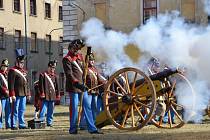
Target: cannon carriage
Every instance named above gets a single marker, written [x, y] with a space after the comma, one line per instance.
[132, 99]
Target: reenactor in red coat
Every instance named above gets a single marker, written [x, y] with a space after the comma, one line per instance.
[18, 91]
[49, 92]
[4, 95]
[37, 100]
[93, 79]
[73, 65]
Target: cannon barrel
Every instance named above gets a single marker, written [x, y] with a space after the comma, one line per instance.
[158, 76]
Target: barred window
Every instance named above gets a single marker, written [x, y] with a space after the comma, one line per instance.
[1, 3]
[61, 81]
[149, 9]
[17, 39]
[60, 13]
[34, 42]
[33, 77]
[47, 10]
[2, 38]
[60, 49]
[17, 5]
[33, 7]
[48, 43]
[208, 19]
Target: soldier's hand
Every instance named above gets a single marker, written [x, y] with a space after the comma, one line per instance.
[28, 98]
[13, 98]
[82, 87]
[7, 93]
[42, 95]
[58, 97]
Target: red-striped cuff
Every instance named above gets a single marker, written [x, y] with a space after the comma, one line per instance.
[75, 81]
[11, 93]
[29, 94]
[42, 95]
[4, 90]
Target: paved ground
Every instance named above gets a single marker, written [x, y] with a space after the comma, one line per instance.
[150, 132]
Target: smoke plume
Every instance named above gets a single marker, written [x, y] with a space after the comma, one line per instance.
[207, 6]
[173, 41]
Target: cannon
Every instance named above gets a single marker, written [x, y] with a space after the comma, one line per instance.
[132, 99]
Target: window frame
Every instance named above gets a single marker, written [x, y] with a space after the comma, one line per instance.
[33, 8]
[60, 44]
[1, 4]
[48, 10]
[150, 8]
[34, 41]
[48, 41]
[16, 4]
[62, 82]
[2, 45]
[34, 76]
[60, 13]
[19, 39]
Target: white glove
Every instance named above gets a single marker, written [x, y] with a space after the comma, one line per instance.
[13, 98]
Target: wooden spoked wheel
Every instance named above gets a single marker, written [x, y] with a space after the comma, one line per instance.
[129, 99]
[173, 117]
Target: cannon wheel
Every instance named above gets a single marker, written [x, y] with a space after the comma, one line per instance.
[173, 109]
[126, 101]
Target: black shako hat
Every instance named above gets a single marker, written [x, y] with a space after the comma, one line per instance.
[77, 44]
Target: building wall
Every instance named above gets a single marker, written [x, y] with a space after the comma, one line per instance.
[11, 21]
[169, 5]
[125, 15]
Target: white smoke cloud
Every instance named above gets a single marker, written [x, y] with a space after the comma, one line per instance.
[207, 6]
[168, 38]
[108, 42]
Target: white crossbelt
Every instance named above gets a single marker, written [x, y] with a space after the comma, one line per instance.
[4, 80]
[50, 80]
[76, 64]
[21, 74]
[93, 73]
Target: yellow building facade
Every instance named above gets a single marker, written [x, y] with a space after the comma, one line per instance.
[125, 15]
[35, 26]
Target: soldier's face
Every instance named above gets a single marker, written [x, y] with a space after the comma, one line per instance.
[4, 68]
[20, 64]
[74, 50]
[51, 69]
[91, 62]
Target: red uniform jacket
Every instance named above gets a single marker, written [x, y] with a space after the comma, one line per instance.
[73, 67]
[3, 85]
[93, 79]
[17, 82]
[48, 86]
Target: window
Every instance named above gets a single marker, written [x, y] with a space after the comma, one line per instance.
[60, 49]
[208, 19]
[33, 7]
[2, 38]
[1, 3]
[47, 10]
[149, 9]
[17, 39]
[33, 77]
[60, 16]
[17, 5]
[48, 44]
[61, 82]
[34, 42]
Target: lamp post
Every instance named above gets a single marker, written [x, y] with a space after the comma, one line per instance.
[26, 42]
[50, 41]
[83, 12]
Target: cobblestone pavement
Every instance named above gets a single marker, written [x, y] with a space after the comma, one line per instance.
[59, 131]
